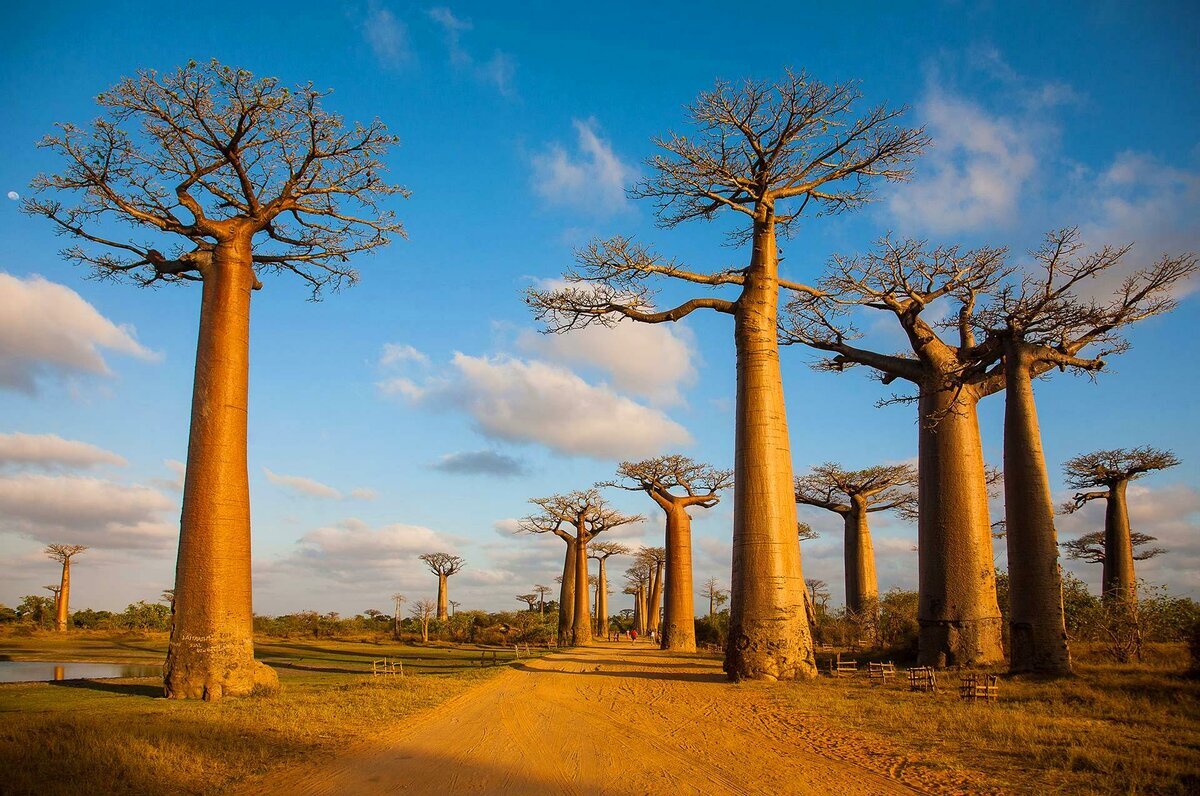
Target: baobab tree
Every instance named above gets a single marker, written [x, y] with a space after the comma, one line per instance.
[1108, 473]
[763, 152]
[1090, 547]
[443, 565]
[958, 612]
[588, 515]
[398, 599]
[236, 177]
[637, 585]
[715, 594]
[63, 553]
[424, 611]
[855, 494]
[655, 559]
[602, 551]
[529, 599]
[541, 592]
[1042, 322]
[663, 479]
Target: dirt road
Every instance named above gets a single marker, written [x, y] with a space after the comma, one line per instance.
[610, 719]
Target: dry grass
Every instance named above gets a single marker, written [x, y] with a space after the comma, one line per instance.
[121, 736]
[1129, 729]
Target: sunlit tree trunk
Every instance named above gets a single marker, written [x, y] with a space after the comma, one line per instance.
[62, 599]
[1120, 582]
[768, 630]
[862, 585]
[211, 652]
[443, 604]
[566, 595]
[581, 627]
[602, 601]
[654, 613]
[679, 609]
[958, 613]
[1037, 625]
[639, 610]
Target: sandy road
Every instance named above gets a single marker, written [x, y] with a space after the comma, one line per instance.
[608, 719]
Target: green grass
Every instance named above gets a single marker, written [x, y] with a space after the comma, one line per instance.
[121, 736]
[1130, 729]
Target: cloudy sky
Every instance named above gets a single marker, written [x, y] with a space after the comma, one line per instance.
[421, 409]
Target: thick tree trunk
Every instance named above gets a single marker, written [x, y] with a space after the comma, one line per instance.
[63, 598]
[443, 609]
[1120, 582]
[654, 613]
[1037, 625]
[211, 652]
[602, 601]
[768, 630]
[958, 613]
[679, 610]
[566, 596]
[581, 628]
[862, 585]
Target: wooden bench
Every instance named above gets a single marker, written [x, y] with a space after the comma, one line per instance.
[922, 678]
[841, 668]
[979, 687]
[880, 672]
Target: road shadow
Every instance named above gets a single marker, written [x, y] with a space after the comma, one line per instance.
[111, 687]
[682, 677]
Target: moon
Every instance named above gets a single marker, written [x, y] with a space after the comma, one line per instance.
[14, 195]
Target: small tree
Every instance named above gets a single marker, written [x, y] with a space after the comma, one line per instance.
[529, 600]
[1112, 470]
[443, 565]
[424, 611]
[541, 592]
[63, 553]
[234, 177]
[715, 594]
[398, 599]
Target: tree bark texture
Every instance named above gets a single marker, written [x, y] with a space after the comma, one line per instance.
[566, 595]
[654, 614]
[211, 652]
[602, 601]
[443, 604]
[1037, 624]
[862, 585]
[769, 636]
[679, 609]
[1120, 582]
[581, 627]
[958, 613]
[61, 605]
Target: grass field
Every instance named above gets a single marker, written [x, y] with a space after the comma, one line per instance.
[121, 736]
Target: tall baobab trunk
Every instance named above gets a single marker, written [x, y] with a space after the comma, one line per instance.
[602, 601]
[211, 652]
[679, 609]
[768, 631]
[1037, 625]
[566, 595]
[1120, 583]
[639, 609]
[62, 599]
[653, 614]
[443, 609]
[958, 612]
[862, 585]
[581, 627]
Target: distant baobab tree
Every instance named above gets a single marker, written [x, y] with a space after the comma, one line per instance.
[1043, 322]
[763, 152]
[1090, 547]
[715, 594]
[454, 607]
[63, 553]
[235, 177]
[55, 590]
[1111, 471]
[656, 560]
[588, 515]
[958, 613]
[637, 585]
[602, 551]
[398, 599]
[541, 592]
[528, 599]
[443, 565]
[663, 479]
[424, 612]
[855, 494]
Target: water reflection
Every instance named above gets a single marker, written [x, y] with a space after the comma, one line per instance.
[45, 671]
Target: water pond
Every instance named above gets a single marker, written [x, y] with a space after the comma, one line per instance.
[44, 671]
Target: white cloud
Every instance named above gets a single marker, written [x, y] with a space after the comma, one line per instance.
[975, 171]
[309, 487]
[507, 527]
[397, 353]
[485, 462]
[174, 484]
[519, 401]
[80, 510]
[498, 70]
[592, 179]
[48, 329]
[387, 35]
[51, 451]
[353, 551]
[653, 361]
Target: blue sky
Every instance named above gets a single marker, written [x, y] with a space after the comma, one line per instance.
[419, 410]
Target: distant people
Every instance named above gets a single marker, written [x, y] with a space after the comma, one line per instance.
[633, 635]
